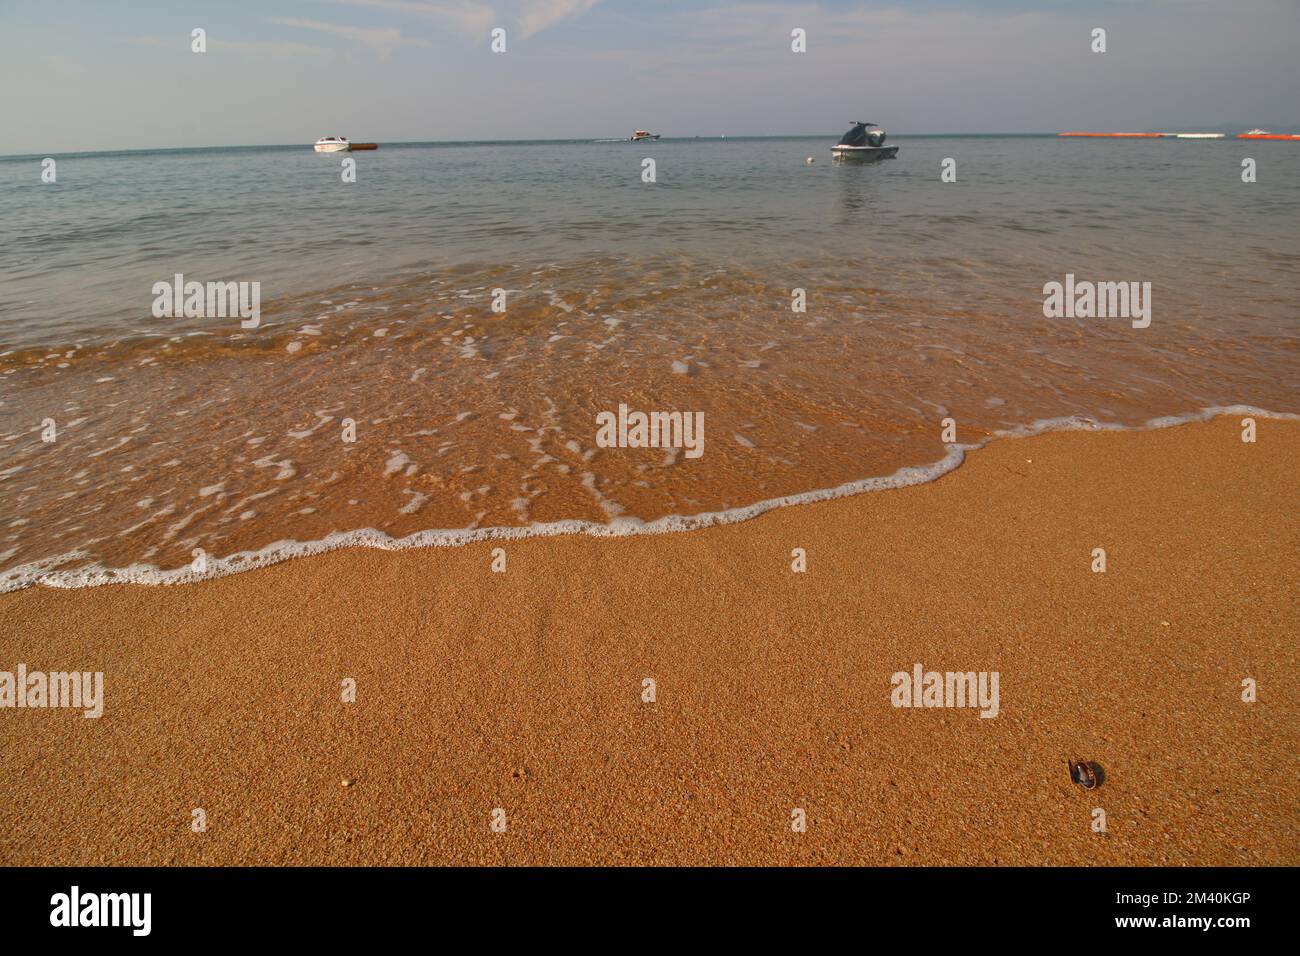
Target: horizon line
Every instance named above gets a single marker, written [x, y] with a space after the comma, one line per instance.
[495, 142]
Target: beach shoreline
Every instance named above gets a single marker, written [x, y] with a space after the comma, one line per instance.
[52, 571]
[522, 691]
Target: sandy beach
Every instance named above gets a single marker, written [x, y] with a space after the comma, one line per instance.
[523, 690]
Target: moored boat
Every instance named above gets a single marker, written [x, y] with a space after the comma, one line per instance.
[640, 134]
[865, 142]
[332, 144]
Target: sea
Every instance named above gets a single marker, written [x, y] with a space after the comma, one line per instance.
[441, 327]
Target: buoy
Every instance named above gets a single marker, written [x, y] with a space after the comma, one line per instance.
[810, 160]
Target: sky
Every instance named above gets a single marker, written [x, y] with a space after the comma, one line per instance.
[77, 75]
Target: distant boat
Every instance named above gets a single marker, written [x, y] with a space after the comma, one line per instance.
[861, 144]
[640, 134]
[332, 144]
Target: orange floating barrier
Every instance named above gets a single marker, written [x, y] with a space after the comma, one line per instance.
[1121, 135]
[357, 146]
[1268, 136]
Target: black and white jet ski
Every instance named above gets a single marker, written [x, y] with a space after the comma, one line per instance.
[864, 143]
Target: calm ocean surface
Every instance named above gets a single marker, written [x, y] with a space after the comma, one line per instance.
[924, 300]
[79, 257]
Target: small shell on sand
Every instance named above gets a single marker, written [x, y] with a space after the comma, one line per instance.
[1085, 773]
[348, 781]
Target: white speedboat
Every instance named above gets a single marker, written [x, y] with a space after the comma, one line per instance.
[640, 134]
[332, 144]
[864, 143]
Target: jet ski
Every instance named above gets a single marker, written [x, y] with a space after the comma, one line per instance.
[864, 143]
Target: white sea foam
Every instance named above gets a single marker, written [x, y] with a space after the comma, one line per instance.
[417, 500]
[44, 571]
[396, 462]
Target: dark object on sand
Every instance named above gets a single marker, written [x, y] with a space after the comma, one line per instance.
[1086, 774]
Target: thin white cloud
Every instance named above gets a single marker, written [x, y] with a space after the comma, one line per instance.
[538, 15]
[383, 40]
[530, 17]
[466, 16]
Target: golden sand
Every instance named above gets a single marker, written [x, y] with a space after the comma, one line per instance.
[523, 690]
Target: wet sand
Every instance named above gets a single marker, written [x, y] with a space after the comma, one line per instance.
[408, 405]
[522, 690]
